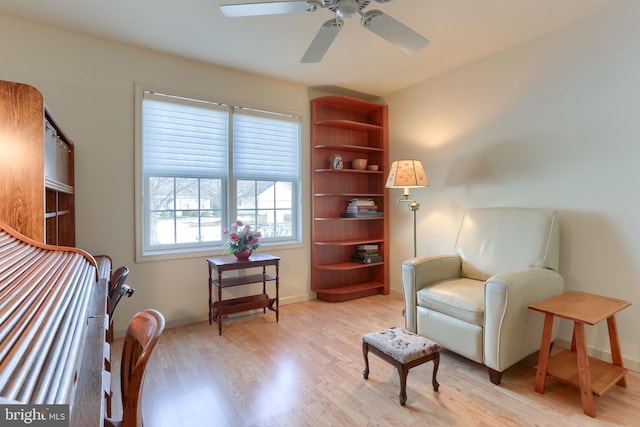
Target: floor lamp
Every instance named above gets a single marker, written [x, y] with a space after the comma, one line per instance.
[408, 174]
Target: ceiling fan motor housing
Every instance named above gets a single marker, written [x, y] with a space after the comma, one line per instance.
[348, 8]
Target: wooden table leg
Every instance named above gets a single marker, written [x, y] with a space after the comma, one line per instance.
[584, 375]
[614, 342]
[210, 297]
[543, 357]
[264, 285]
[277, 291]
[220, 303]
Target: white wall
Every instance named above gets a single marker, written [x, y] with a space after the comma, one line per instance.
[88, 84]
[553, 123]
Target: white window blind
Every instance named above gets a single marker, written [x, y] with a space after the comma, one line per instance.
[265, 145]
[184, 137]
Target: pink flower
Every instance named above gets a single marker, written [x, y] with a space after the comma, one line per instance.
[240, 237]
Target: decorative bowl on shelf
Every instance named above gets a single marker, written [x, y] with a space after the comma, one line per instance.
[359, 164]
[373, 167]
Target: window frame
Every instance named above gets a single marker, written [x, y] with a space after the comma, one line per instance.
[229, 209]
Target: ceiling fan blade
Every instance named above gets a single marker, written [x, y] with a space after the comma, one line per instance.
[394, 31]
[322, 41]
[264, 8]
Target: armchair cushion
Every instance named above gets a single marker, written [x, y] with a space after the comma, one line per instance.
[460, 298]
[493, 240]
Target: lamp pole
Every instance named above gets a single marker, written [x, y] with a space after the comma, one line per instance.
[414, 206]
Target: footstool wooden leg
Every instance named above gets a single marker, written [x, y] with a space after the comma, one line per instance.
[436, 363]
[365, 353]
[403, 371]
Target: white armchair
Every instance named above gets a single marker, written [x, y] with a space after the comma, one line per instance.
[474, 302]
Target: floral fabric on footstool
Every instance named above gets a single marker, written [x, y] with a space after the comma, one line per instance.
[401, 344]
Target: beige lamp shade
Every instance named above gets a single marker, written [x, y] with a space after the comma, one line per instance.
[407, 174]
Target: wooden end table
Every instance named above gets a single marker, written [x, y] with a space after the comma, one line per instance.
[574, 367]
[221, 307]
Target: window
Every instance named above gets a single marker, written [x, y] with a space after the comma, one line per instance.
[204, 164]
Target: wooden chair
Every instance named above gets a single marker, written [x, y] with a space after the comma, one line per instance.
[117, 288]
[142, 335]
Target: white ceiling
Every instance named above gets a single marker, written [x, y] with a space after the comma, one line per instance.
[460, 31]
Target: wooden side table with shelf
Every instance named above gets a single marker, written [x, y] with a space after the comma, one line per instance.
[220, 307]
[574, 366]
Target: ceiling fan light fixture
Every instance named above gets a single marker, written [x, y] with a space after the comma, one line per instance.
[347, 8]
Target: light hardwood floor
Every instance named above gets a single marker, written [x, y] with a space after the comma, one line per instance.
[306, 370]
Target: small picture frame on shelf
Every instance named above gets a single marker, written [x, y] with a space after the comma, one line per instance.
[336, 162]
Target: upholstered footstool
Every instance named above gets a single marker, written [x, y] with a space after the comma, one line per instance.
[404, 350]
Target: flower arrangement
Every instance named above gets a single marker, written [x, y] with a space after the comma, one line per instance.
[241, 238]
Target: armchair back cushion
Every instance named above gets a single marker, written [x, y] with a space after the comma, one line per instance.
[494, 240]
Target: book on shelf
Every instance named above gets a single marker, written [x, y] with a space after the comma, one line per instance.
[368, 259]
[359, 205]
[362, 214]
[366, 252]
[358, 201]
[367, 247]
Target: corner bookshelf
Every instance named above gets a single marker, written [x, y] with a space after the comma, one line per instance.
[352, 128]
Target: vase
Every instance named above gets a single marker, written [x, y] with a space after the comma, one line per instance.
[243, 255]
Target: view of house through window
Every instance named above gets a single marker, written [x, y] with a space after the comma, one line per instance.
[205, 165]
[267, 203]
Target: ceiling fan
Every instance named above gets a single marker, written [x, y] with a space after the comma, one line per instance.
[374, 20]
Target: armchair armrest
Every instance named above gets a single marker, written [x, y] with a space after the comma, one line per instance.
[511, 330]
[423, 271]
